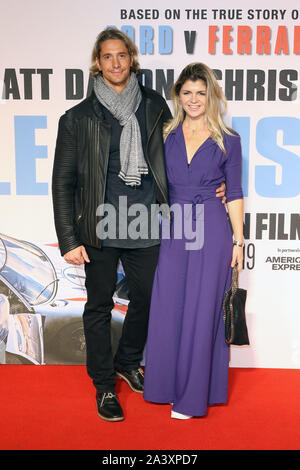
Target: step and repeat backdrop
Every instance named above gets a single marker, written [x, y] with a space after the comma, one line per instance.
[44, 70]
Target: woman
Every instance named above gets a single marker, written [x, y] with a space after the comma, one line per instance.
[186, 357]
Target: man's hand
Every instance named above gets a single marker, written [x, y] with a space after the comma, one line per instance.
[77, 256]
[220, 192]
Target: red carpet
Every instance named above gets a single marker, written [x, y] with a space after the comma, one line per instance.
[53, 408]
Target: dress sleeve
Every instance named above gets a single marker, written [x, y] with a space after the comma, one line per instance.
[233, 169]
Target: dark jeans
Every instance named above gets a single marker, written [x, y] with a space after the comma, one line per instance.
[101, 276]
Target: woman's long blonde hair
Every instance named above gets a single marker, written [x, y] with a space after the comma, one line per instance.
[216, 103]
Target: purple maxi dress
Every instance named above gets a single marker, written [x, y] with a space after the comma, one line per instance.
[187, 358]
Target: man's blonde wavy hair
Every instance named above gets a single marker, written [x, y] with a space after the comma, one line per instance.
[216, 103]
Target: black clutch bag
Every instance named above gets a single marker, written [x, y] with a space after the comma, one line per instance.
[236, 331]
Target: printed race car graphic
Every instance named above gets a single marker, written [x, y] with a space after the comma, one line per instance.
[41, 305]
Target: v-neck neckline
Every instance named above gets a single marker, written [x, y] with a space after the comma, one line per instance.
[200, 146]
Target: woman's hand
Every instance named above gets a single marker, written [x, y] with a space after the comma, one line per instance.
[237, 257]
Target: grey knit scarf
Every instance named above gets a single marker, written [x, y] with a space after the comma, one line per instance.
[123, 107]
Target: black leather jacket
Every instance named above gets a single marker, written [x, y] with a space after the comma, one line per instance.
[81, 161]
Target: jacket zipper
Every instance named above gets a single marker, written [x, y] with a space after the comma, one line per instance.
[93, 145]
[81, 205]
[157, 182]
[96, 144]
[105, 175]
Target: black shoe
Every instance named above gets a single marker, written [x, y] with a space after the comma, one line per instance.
[134, 378]
[109, 407]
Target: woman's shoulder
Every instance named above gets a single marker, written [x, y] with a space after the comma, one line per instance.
[169, 140]
[231, 138]
[173, 133]
[231, 134]
[172, 142]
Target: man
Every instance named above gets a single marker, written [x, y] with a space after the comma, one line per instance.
[111, 146]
